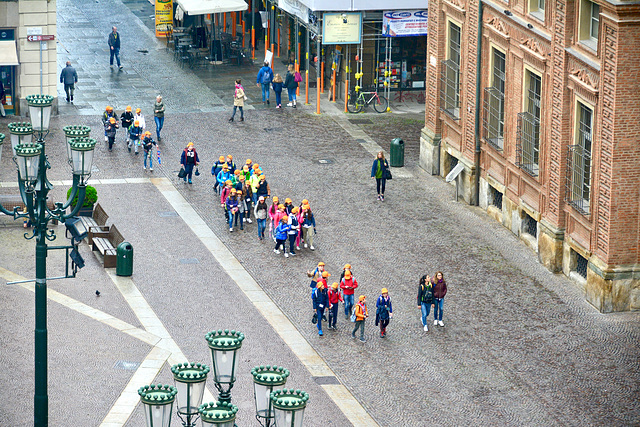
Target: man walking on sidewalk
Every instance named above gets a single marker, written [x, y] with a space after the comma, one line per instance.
[69, 77]
[265, 76]
[114, 46]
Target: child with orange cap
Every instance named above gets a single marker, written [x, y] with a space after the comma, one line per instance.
[127, 120]
[384, 311]
[281, 235]
[334, 298]
[232, 166]
[135, 131]
[215, 170]
[293, 232]
[308, 222]
[280, 213]
[108, 113]
[272, 212]
[140, 118]
[320, 302]
[232, 207]
[147, 144]
[260, 212]
[361, 314]
[224, 194]
[348, 284]
[110, 130]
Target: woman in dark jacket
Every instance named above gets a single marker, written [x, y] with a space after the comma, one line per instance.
[292, 85]
[425, 299]
[379, 172]
[384, 311]
[189, 160]
[439, 292]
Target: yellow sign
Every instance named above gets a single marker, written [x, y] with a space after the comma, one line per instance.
[342, 28]
[164, 17]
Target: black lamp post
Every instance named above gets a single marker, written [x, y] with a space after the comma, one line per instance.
[34, 187]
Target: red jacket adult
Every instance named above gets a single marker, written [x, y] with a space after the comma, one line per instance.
[348, 285]
[334, 296]
[439, 288]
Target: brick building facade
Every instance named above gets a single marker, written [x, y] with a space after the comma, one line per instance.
[541, 104]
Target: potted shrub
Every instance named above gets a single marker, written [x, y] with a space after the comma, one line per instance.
[90, 199]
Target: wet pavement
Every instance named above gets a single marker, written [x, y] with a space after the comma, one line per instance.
[520, 346]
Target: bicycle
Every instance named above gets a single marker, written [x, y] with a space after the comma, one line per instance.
[355, 104]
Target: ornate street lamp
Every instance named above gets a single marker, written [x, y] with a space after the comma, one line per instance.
[71, 132]
[21, 133]
[34, 188]
[224, 347]
[289, 407]
[265, 378]
[81, 159]
[190, 380]
[158, 404]
[218, 414]
[40, 112]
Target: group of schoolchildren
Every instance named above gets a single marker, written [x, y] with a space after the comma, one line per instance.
[244, 193]
[135, 134]
[328, 298]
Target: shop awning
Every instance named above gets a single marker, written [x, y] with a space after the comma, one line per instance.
[200, 7]
[8, 53]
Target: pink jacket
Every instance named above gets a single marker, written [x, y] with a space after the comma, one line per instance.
[224, 194]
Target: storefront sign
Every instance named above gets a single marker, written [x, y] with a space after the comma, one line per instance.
[164, 17]
[342, 28]
[295, 8]
[404, 23]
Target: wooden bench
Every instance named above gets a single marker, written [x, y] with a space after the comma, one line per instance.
[106, 243]
[96, 222]
[11, 201]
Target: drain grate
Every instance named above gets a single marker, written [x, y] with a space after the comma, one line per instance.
[361, 121]
[272, 129]
[168, 214]
[326, 380]
[325, 161]
[126, 365]
[189, 261]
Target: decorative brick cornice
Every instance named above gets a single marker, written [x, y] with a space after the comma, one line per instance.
[499, 26]
[584, 78]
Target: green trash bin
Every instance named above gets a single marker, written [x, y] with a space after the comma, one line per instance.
[124, 259]
[397, 153]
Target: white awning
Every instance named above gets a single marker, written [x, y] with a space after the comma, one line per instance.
[8, 53]
[200, 7]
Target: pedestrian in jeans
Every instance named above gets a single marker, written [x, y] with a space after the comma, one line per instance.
[265, 76]
[277, 88]
[439, 292]
[320, 302]
[315, 275]
[425, 299]
[384, 311]
[361, 313]
[148, 145]
[379, 171]
[261, 216]
[114, 46]
[158, 116]
[69, 77]
[242, 208]
[308, 222]
[238, 100]
[334, 299]
[215, 170]
[108, 113]
[135, 131]
[348, 284]
[292, 85]
[281, 235]
[110, 128]
[232, 207]
[293, 233]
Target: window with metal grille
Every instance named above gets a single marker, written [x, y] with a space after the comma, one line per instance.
[581, 265]
[493, 122]
[579, 162]
[530, 225]
[453, 162]
[450, 78]
[496, 198]
[528, 132]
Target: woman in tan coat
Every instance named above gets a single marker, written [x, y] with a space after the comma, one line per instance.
[238, 100]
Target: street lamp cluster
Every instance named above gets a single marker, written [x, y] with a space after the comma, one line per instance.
[280, 408]
[32, 164]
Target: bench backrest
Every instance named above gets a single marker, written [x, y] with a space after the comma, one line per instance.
[10, 201]
[99, 215]
[114, 236]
